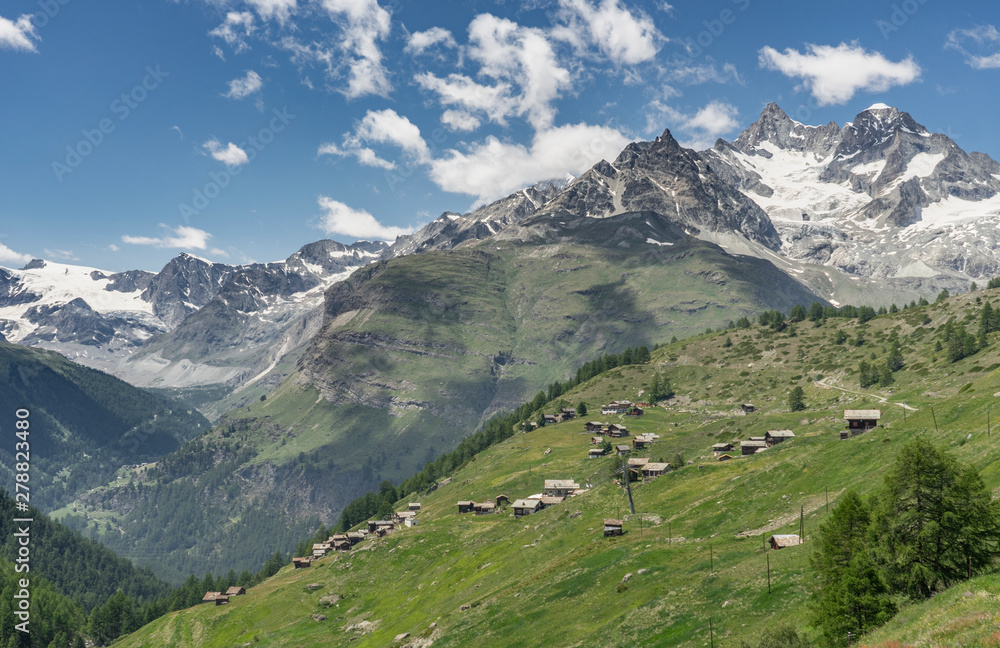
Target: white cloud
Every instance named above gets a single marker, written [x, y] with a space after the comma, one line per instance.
[699, 73]
[419, 42]
[64, 255]
[231, 154]
[493, 169]
[494, 101]
[380, 127]
[8, 255]
[279, 9]
[183, 237]
[622, 36]
[364, 24]
[339, 218]
[235, 29]
[245, 86]
[985, 37]
[459, 120]
[709, 123]
[19, 34]
[508, 52]
[834, 74]
[113, 247]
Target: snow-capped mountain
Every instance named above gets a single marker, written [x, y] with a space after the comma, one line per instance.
[152, 329]
[451, 229]
[879, 197]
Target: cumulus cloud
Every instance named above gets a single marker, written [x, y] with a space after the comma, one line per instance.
[63, 255]
[624, 37]
[421, 41]
[493, 169]
[235, 29]
[182, 238]
[459, 120]
[363, 23]
[339, 218]
[245, 86]
[18, 34]
[495, 102]
[984, 38]
[834, 74]
[522, 56]
[380, 127]
[279, 9]
[709, 123]
[8, 255]
[230, 154]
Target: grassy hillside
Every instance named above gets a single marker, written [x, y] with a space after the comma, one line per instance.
[552, 579]
[415, 354]
[84, 423]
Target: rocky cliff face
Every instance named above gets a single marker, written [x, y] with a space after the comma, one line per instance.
[880, 197]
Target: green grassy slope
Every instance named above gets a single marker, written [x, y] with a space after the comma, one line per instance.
[552, 580]
[417, 352]
[84, 424]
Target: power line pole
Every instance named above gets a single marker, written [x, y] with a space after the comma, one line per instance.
[711, 633]
[628, 486]
[768, 554]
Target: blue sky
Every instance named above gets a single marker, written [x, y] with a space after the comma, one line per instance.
[241, 130]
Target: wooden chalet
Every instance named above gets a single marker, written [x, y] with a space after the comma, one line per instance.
[719, 448]
[725, 457]
[210, 596]
[623, 449]
[466, 506]
[566, 413]
[594, 426]
[594, 453]
[320, 549]
[641, 442]
[751, 447]
[413, 506]
[748, 408]
[617, 431]
[235, 590]
[559, 487]
[636, 462]
[500, 499]
[651, 470]
[596, 440]
[375, 525]
[858, 421]
[354, 537]
[221, 599]
[617, 407]
[550, 419]
[777, 436]
[548, 500]
[524, 507]
[342, 545]
[786, 540]
[612, 528]
[484, 508]
[635, 411]
[299, 563]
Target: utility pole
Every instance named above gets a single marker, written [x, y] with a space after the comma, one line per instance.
[711, 633]
[711, 559]
[827, 499]
[802, 524]
[935, 419]
[768, 571]
[628, 486]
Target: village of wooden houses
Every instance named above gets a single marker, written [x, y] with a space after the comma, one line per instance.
[554, 491]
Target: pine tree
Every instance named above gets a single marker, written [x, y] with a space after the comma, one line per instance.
[581, 409]
[931, 516]
[795, 399]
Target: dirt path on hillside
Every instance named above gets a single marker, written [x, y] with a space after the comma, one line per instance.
[824, 384]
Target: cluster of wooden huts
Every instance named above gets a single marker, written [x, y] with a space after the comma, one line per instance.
[222, 599]
[554, 492]
[345, 541]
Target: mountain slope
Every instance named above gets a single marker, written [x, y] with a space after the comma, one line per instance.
[416, 352]
[84, 424]
[694, 548]
[880, 197]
